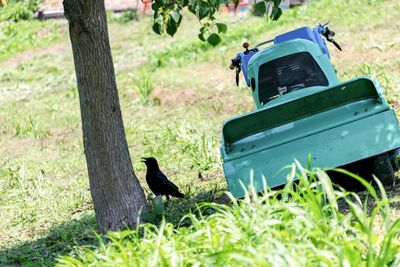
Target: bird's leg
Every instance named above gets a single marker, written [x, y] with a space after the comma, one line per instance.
[166, 204]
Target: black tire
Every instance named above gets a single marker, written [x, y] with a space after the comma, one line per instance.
[383, 169]
[395, 159]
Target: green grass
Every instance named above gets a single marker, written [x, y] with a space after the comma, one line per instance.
[27, 35]
[300, 225]
[45, 202]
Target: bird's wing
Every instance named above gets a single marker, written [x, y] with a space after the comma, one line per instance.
[173, 185]
[163, 179]
[170, 187]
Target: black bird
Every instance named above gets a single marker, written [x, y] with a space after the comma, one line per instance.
[158, 182]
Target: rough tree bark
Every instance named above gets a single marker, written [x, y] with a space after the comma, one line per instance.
[116, 192]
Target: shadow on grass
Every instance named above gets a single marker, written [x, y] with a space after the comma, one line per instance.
[178, 208]
[61, 240]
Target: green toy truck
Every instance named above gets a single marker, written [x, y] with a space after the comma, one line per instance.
[303, 111]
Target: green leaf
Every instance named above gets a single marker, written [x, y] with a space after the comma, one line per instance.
[277, 2]
[158, 18]
[184, 3]
[176, 16]
[213, 2]
[260, 7]
[203, 28]
[192, 9]
[155, 6]
[203, 11]
[214, 39]
[157, 28]
[201, 37]
[222, 27]
[276, 13]
[172, 26]
[192, 3]
[156, 13]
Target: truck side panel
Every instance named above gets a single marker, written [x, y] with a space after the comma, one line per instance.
[330, 148]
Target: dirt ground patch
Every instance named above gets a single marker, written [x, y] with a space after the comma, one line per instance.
[30, 55]
[222, 102]
[183, 97]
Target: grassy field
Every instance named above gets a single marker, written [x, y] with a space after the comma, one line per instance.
[175, 94]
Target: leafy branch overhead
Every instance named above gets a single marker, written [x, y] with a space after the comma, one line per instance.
[168, 17]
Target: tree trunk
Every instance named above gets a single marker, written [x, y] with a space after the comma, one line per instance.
[116, 192]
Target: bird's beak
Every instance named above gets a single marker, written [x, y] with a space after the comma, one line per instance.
[144, 160]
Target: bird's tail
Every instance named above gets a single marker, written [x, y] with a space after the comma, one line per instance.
[179, 195]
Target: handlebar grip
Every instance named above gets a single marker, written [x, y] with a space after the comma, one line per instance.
[336, 45]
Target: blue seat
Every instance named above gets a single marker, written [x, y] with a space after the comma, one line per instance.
[304, 33]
